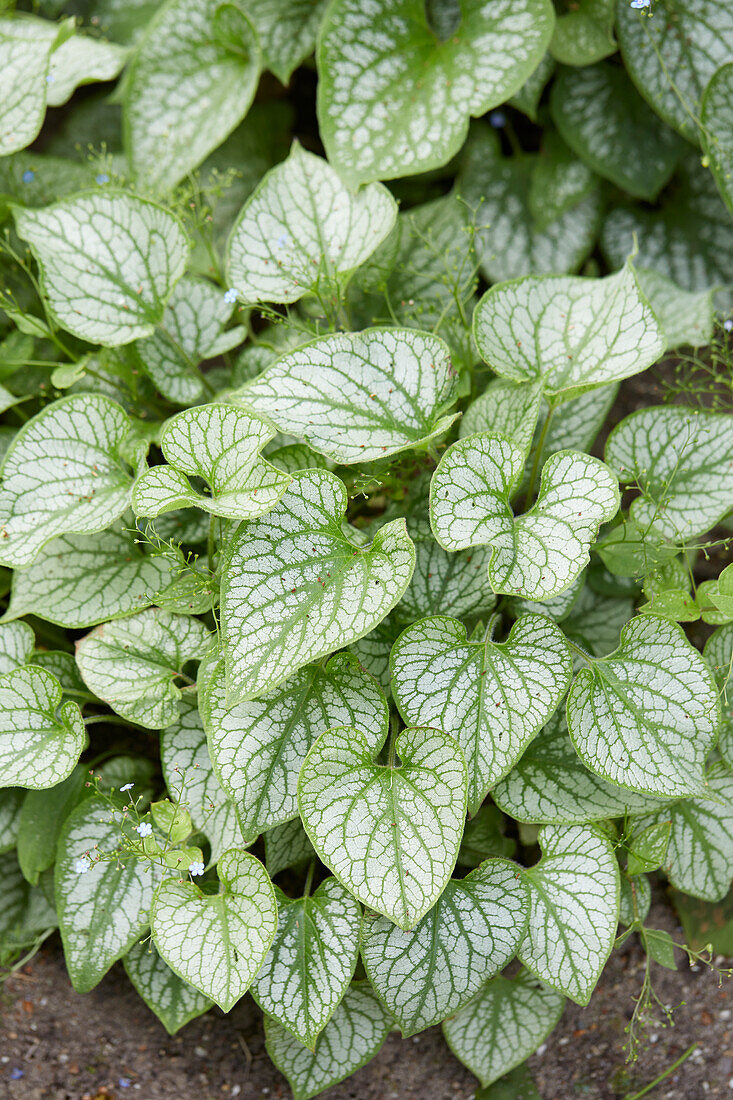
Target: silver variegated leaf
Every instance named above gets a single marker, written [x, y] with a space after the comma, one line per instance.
[41, 738]
[173, 1001]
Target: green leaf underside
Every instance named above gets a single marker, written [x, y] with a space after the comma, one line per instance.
[551, 786]
[41, 739]
[302, 229]
[131, 663]
[258, 746]
[604, 119]
[192, 80]
[502, 1025]
[645, 716]
[173, 1001]
[108, 262]
[295, 587]
[221, 444]
[63, 474]
[359, 396]
[574, 903]
[492, 697]
[311, 961]
[376, 120]
[717, 135]
[699, 858]
[569, 333]
[187, 769]
[104, 912]
[217, 943]
[540, 553]
[390, 834]
[471, 932]
[81, 580]
[682, 459]
[510, 242]
[349, 1040]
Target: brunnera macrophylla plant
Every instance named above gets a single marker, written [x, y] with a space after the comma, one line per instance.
[340, 662]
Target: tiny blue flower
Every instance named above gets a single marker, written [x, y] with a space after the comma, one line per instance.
[144, 828]
[728, 325]
[81, 866]
[640, 3]
[230, 295]
[102, 178]
[28, 176]
[16, 1074]
[196, 868]
[282, 240]
[497, 119]
[124, 1082]
[127, 787]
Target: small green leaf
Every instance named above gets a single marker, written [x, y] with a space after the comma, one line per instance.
[192, 80]
[471, 932]
[648, 848]
[377, 122]
[359, 396]
[220, 444]
[65, 472]
[540, 553]
[295, 586]
[717, 130]
[302, 229]
[584, 33]
[492, 697]
[397, 853]
[574, 904]
[218, 942]
[41, 739]
[174, 821]
[311, 961]
[570, 334]
[349, 1040]
[81, 60]
[173, 1001]
[104, 911]
[636, 899]
[628, 550]
[258, 746]
[131, 664]
[682, 461]
[516, 1085]
[502, 1025]
[41, 818]
[659, 945]
[550, 785]
[125, 253]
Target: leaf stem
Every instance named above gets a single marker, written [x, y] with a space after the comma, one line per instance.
[581, 652]
[658, 1080]
[538, 457]
[393, 725]
[309, 878]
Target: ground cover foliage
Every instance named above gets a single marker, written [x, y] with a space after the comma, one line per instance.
[338, 663]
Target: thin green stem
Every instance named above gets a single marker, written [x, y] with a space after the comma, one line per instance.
[538, 457]
[393, 727]
[309, 878]
[211, 543]
[662, 1076]
[581, 652]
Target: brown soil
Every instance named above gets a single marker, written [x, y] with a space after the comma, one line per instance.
[106, 1044]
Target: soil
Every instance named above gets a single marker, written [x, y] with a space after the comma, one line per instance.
[106, 1045]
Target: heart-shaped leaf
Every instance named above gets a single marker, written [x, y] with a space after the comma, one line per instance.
[302, 229]
[26, 45]
[685, 316]
[41, 740]
[471, 932]
[502, 1025]
[646, 716]
[376, 121]
[682, 461]
[359, 396]
[551, 786]
[506, 408]
[221, 444]
[584, 33]
[492, 697]
[132, 663]
[527, 99]
[103, 911]
[258, 747]
[173, 1001]
[190, 777]
[217, 942]
[717, 132]
[64, 472]
[125, 253]
[295, 586]
[604, 119]
[311, 961]
[81, 60]
[541, 552]
[192, 79]
[349, 1040]
[671, 60]
[573, 914]
[569, 334]
[390, 834]
[16, 646]
[81, 580]
[510, 242]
